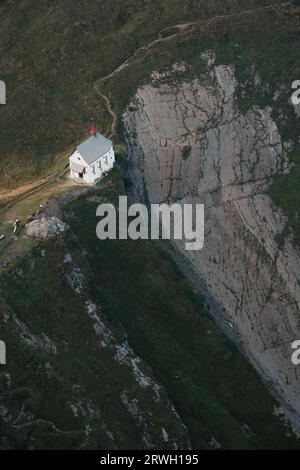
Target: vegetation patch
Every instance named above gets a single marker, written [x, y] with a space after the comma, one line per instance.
[285, 193]
[186, 152]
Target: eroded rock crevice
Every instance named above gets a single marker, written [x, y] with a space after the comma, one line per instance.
[189, 142]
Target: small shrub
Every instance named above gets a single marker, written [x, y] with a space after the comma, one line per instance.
[186, 152]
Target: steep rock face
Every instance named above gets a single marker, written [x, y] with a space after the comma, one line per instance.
[189, 143]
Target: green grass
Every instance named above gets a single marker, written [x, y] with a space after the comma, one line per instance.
[50, 54]
[142, 293]
[144, 298]
[186, 152]
[211, 385]
[82, 370]
[264, 43]
[285, 193]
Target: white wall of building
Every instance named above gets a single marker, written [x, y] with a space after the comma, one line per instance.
[94, 171]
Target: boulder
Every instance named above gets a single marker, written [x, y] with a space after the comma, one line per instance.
[46, 228]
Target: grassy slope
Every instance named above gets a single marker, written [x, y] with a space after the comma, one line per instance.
[285, 193]
[214, 389]
[142, 288]
[50, 54]
[82, 372]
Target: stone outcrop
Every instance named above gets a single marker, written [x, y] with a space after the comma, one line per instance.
[189, 142]
[46, 227]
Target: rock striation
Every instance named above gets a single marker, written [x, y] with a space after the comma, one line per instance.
[189, 142]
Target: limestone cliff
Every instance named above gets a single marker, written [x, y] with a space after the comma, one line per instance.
[190, 143]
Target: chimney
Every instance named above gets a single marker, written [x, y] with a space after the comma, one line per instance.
[94, 129]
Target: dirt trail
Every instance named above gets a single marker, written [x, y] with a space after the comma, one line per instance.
[181, 29]
[28, 189]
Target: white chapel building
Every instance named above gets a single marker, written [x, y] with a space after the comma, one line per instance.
[92, 159]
